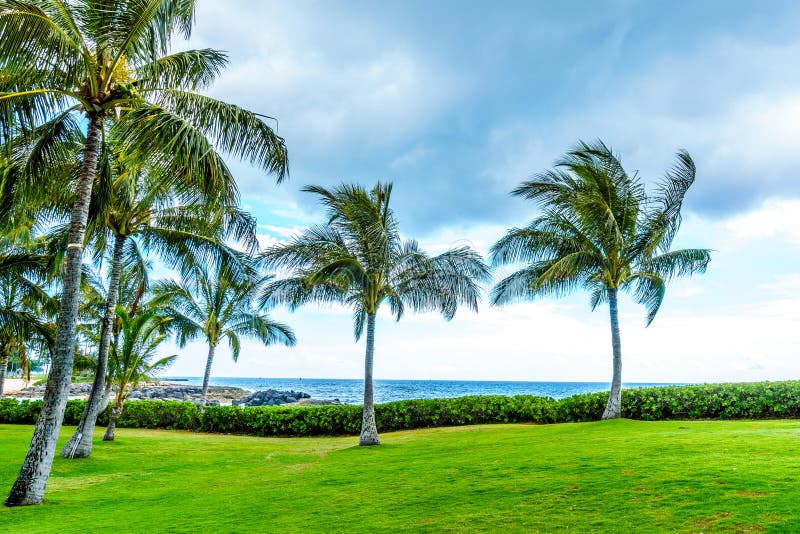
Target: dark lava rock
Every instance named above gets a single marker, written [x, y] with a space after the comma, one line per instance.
[271, 397]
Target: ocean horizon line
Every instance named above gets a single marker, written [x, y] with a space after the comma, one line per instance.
[198, 377]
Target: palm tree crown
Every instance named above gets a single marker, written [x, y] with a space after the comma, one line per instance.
[600, 231]
[61, 60]
[358, 258]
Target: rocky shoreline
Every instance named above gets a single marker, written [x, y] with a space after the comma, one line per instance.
[272, 397]
[216, 395]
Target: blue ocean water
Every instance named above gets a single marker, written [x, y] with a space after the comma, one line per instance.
[350, 391]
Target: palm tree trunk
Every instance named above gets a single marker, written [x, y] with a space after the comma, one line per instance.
[116, 411]
[369, 430]
[80, 444]
[32, 479]
[106, 396]
[3, 366]
[210, 360]
[614, 406]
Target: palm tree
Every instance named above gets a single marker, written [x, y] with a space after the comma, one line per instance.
[134, 289]
[176, 224]
[216, 307]
[600, 231]
[64, 65]
[359, 259]
[132, 356]
[23, 303]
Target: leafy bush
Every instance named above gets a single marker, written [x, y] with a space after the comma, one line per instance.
[712, 401]
[283, 421]
[157, 414]
[26, 412]
[761, 400]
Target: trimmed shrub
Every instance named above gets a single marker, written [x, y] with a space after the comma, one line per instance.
[170, 415]
[26, 412]
[712, 401]
[760, 400]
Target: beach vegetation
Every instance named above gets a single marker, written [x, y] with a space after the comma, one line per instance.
[68, 66]
[220, 306]
[600, 231]
[139, 212]
[357, 258]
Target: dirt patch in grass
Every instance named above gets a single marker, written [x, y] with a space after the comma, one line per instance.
[710, 521]
[744, 528]
[745, 493]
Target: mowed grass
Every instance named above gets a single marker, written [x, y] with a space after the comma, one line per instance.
[614, 476]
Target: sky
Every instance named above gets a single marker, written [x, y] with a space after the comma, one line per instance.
[458, 102]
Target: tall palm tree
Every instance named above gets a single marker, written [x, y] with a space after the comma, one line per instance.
[132, 356]
[177, 224]
[218, 306]
[64, 65]
[359, 259]
[600, 231]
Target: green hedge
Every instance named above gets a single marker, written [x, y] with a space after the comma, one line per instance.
[716, 401]
[752, 400]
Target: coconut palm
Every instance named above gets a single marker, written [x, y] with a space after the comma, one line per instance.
[23, 307]
[600, 231]
[176, 224]
[218, 306]
[65, 65]
[132, 357]
[134, 289]
[359, 259]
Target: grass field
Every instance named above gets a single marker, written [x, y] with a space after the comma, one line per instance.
[616, 476]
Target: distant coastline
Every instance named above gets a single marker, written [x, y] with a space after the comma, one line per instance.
[350, 391]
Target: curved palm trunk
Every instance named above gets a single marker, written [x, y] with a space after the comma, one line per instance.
[211, 349]
[116, 411]
[369, 430]
[80, 444]
[3, 366]
[106, 397]
[614, 406]
[32, 479]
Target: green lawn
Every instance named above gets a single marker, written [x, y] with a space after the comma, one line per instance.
[617, 476]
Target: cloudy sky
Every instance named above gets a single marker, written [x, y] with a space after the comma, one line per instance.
[457, 102]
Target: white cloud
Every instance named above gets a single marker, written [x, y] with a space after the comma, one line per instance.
[785, 284]
[282, 231]
[776, 217]
[332, 77]
[266, 241]
[742, 136]
[411, 158]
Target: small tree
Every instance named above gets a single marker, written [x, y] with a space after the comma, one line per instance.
[176, 222]
[359, 259]
[132, 358]
[600, 231]
[22, 303]
[219, 306]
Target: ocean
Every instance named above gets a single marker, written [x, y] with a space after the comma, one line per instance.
[351, 391]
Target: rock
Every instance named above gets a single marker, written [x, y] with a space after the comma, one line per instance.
[271, 397]
[153, 391]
